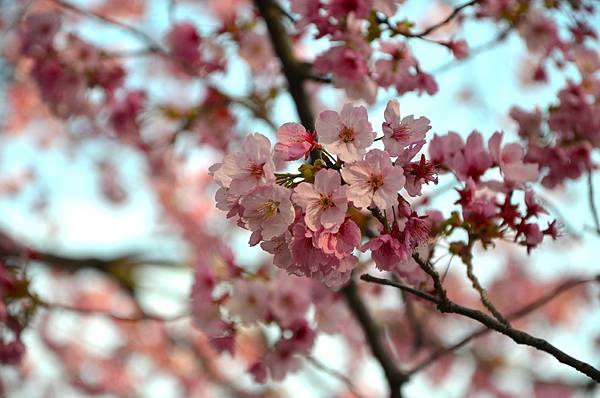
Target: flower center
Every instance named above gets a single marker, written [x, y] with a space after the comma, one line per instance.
[400, 133]
[325, 202]
[346, 134]
[376, 182]
[256, 170]
[269, 209]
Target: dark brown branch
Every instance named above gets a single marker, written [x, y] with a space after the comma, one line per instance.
[394, 376]
[591, 199]
[518, 336]
[523, 311]
[295, 72]
[443, 22]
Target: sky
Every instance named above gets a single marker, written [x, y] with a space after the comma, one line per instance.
[82, 223]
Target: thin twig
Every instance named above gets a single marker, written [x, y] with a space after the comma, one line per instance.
[592, 201]
[333, 373]
[153, 46]
[483, 295]
[441, 23]
[518, 336]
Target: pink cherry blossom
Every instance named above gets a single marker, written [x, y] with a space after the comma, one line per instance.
[341, 8]
[443, 148]
[325, 202]
[340, 243]
[510, 161]
[294, 142]
[419, 173]
[374, 181]
[396, 66]
[309, 260]
[279, 247]
[268, 209]
[243, 171]
[459, 48]
[184, 41]
[347, 134]
[473, 160]
[249, 301]
[388, 250]
[403, 137]
[529, 123]
[289, 298]
[125, 114]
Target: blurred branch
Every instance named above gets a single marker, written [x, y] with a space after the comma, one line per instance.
[591, 198]
[333, 373]
[394, 376]
[415, 322]
[152, 45]
[294, 71]
[445, 305]
[142, 316]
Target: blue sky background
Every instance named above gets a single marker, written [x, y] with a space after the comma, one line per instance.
[81, 222]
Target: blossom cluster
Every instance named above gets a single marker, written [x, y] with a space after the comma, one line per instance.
[367, 52]
[306, 220]
[561, 138]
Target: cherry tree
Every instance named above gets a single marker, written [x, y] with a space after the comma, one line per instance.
[295, 201]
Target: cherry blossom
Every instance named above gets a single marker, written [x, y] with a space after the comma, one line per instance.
[403, 137]
[347, 134]
[324, 202]
[268, 209]
[253, 166]
[294, 142]
[374, 181]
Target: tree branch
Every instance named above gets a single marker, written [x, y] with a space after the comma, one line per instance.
[592, 202]
[518, 336]
[294, 71]
[523, 311]
[443, 22]
[141, 316]
[483, 295]
[372, 334]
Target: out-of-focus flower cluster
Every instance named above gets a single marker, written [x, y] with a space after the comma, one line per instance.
[368, 53]
[561, 138]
